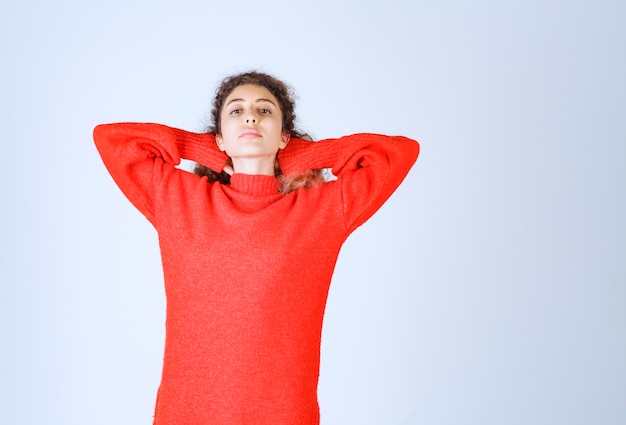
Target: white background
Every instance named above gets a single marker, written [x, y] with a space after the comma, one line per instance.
[490, 289]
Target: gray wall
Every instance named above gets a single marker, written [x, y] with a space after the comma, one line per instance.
[490, 289]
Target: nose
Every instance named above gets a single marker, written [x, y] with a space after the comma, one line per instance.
[251, 118]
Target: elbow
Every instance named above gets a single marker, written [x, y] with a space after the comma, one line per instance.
[99, 134]
[410, 149]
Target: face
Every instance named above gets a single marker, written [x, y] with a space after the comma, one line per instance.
[251, 125]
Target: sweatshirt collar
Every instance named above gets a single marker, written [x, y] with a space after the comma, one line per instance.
[254, 184]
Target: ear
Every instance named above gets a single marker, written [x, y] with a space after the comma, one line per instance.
[285, 140]
[220, 142]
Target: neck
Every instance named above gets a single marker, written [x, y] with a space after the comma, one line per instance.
[262, 166]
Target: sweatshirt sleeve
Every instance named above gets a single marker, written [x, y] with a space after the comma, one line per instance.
[139, 156]
[368, 166]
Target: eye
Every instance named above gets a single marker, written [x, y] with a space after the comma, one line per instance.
[235, 112]
[265, 111]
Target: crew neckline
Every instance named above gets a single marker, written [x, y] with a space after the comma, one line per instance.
[254, 184]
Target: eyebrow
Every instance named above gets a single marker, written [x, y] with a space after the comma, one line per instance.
[260, 99]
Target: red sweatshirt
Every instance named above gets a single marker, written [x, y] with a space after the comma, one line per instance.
[247, 269]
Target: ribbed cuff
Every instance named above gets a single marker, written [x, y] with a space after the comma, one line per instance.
[201, 148]
[301, 155]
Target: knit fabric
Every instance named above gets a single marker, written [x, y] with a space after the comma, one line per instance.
[247, 269]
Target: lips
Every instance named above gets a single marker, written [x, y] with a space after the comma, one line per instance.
[250, 133]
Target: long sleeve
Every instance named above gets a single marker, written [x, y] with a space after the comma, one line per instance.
[369, 168]
[139, 156]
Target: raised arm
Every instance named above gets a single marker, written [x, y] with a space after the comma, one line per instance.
[139, 156]
[369, 168]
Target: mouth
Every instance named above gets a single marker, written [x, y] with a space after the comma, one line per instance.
[250, 133]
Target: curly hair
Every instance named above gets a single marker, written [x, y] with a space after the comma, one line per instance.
[284, 95]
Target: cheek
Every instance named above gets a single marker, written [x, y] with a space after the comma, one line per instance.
[221, 125]
[225, 123]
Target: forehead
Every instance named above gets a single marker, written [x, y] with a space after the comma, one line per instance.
[251, 92]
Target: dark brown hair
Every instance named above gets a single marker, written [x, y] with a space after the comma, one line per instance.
[285, 98]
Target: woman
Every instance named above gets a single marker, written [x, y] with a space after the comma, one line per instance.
[248, 250]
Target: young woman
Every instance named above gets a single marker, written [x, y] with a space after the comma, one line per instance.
[249, 247]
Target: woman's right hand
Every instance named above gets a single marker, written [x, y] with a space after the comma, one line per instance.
[228, 168]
